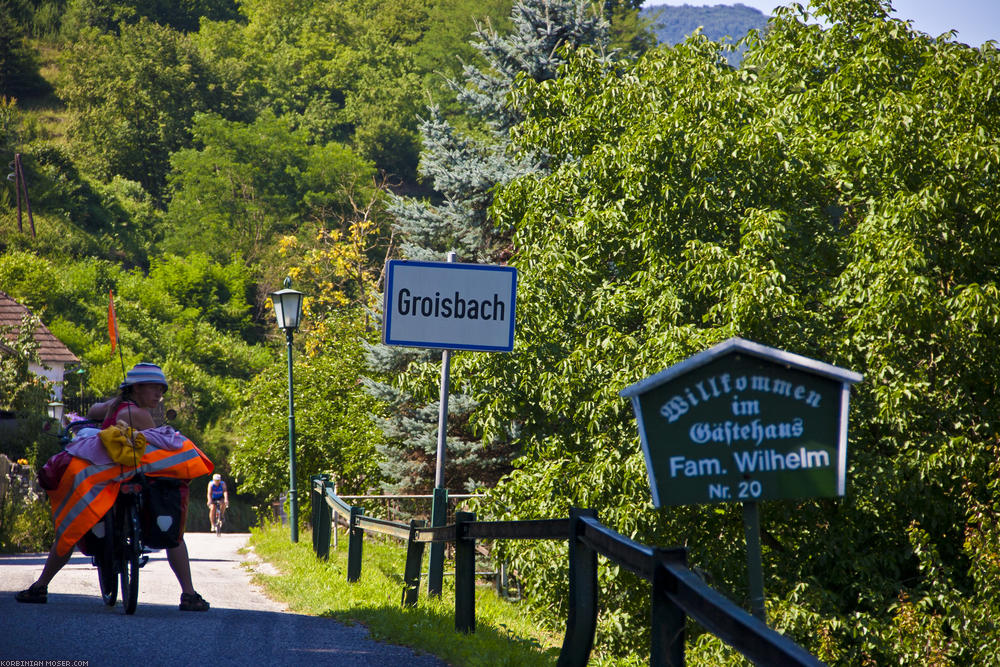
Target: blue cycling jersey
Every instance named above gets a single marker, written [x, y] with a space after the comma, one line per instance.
[218, 490]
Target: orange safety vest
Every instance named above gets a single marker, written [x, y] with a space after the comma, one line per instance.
[87, 491]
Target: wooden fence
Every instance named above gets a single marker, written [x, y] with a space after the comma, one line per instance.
[677, 592]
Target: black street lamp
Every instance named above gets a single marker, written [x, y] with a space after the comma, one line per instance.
[288, 311]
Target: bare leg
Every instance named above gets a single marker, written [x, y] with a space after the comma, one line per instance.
[53, 563]
[181, 565]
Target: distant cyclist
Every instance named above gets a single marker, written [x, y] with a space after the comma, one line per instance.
[218, 499]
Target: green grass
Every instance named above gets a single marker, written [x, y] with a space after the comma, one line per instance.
[505, 633]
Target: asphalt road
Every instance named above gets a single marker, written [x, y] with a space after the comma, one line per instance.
[242, 628]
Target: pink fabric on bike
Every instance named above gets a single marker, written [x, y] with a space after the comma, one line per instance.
[164, 437]
[90, 448]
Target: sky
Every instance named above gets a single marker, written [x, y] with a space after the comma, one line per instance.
[975, 20]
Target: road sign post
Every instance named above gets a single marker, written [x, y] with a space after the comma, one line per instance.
[451, 306]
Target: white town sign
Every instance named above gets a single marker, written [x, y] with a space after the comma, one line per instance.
[449, 305]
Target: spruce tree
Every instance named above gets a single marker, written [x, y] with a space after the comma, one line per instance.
[464, 169]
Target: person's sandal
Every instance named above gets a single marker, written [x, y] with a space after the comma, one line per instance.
[193, 602]
[34, 594]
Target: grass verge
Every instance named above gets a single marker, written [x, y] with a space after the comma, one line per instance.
[505, 633]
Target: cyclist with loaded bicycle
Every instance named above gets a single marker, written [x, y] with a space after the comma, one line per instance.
[218, 500]
[138, 395]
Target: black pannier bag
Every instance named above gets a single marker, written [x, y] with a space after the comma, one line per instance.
[161, 512]
[95, 541]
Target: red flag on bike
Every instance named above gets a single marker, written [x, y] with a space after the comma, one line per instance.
[112, 323]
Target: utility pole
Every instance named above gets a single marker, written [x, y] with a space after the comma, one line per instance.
[20, 190]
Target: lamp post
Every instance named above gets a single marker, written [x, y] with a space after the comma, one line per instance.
[79, 389]
[287, 311]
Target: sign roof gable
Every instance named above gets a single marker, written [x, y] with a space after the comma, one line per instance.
[738, 345]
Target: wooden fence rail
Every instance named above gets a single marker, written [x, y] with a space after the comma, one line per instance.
[677, 592]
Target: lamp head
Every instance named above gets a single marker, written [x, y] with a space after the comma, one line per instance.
[55, 410]
[287, 307]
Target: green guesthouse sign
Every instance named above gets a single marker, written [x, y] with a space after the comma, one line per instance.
[743, 422]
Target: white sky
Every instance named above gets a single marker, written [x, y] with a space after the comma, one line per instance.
[975, 20]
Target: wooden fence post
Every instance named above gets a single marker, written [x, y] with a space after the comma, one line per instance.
[314, 504]
[355, 545]
[667, 619]
[465, 574]
[414, 563]
[582, 620]
[321, 520]
[335, 520]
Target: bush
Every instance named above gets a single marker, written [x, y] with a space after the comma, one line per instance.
[25, 523]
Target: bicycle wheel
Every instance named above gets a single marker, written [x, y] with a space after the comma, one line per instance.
[218, 522]
[131, 552]
[105, 560]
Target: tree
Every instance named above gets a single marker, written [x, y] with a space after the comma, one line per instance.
[835, 196]
[24, 394]
[251, 182]
[465, 169]
[19, 74]
[134, 97]
[343, 70]
[157, 320]
[332, 419]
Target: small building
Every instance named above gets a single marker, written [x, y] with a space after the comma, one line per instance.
[55, 356]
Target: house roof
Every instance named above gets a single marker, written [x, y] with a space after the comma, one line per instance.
[50, 349]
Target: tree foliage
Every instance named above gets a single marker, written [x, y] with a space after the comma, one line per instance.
[464, 168]
[134, 96]
[161, 318]
[249, 183]
[344, 70]
[332, 418]
[23, 395]
[108, 16]
[18, 62]
[835, 196]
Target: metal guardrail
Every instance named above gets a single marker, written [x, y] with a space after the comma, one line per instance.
[677, 592]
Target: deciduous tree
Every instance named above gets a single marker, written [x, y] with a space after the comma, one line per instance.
[835, 196]
[464, 169]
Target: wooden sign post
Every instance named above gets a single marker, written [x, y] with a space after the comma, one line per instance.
[742, 422]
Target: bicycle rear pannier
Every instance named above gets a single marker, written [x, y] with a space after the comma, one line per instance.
[161, 512]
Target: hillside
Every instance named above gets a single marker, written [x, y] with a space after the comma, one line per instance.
[672, 25]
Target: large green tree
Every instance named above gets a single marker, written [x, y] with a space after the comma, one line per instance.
[134, 96]
[247, 183]
[343, 70]
[464, 168]
[18, 63]
[836, 196]
[333, 429]
[109, 16]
